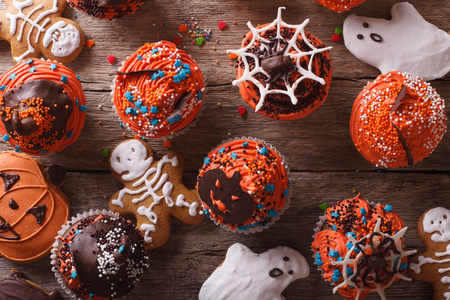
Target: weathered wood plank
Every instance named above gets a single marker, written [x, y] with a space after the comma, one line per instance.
[179, 268]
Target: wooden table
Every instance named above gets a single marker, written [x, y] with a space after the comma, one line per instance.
[325, 165]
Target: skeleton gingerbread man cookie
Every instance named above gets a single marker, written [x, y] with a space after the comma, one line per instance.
[434, 265]
[153, 190]
[33, 27]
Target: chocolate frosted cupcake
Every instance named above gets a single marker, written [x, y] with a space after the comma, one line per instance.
[243, 185]
[158, 91]
[358, 247]
[283, 72]
[107, 9]
[42, 106]
[99, 256]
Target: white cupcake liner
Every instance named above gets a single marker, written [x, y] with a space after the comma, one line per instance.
[258, 228]
[55, 246]
[172, 134]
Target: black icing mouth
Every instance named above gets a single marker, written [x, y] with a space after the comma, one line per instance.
[275, 272]
[6, 226]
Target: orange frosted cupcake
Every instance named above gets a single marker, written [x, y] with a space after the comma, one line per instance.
[42, 106]
[243, 185]
[358, 247]
[159, 90]
[107, 9]
[397, 120]
[275, 74]
[340, 5]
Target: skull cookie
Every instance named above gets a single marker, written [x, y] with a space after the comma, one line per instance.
[32, 207]
[149, 182]
[33, 27]
[434, 265]
[248, 275]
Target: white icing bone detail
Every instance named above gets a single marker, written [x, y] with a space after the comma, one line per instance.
[393, 260]
[438, 220]
[264, 89]
[66, 39]
[26, 20]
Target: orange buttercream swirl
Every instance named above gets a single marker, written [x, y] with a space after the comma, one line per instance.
[397, 120]
[166, 93]
[340, 5]
[52, 128]
[105, 11]
[258, 171]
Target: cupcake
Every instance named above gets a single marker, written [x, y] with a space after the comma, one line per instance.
[42, 106]
[107, 9]
[340, 5]
[358, 247]
[397, 120]
[243, 185]
[283, 72]
[159, 90]
[99, 255]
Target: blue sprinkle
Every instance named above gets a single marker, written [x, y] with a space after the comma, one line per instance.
[363, 211]
[334, 253]
[176, 78]
[3, 87]
[319, 262]
[91, 295]
[53, 67]
[404, 266]
[335, 278]
[349, 245]
[260, 206]
[154, 50]
[207, 213]
[83, 108]
[349, 271]
[364, 220]
[69, 134]
[318, 255]
[77, 231]
[154, 109]
[334, 227]
[121, 249]
[144, 109]
[64, 79]
[388, 208]
[43, 151]
[264, 151]
[129, 96]
[270, 188]
[156, 75]
[76, 101]
[128, 110]
[17, 150]
[74, 15]
[154, 121]
[29, 61]
[74, 274]
[12, 76]
[207, 160]
[200, 95]
[17, 146]
[340, 258]
[286, 192]
[139, 57]
[222, 150]
[245, 145]
[78, 77]
[121, 124]
[178, 63]
[234, 155]
[175, 119]
[272, 213]
[186, 66]
[165, 24]
[352, 234]
[336, 273]
[6, 137]
[32, 69]
[336, 215]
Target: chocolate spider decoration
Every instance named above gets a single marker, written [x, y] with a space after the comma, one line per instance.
[274, 62]
[376, 261]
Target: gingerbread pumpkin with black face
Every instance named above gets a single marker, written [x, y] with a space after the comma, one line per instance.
[32, 207]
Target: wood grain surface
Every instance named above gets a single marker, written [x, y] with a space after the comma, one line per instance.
[325, 165]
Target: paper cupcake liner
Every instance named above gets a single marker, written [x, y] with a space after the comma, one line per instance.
[170, 135]
[279, 213]
[55, 246]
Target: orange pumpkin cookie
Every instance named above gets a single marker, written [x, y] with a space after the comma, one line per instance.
[32, 207]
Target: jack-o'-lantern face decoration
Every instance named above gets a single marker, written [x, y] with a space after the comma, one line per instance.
[32, 208]
[225, 197]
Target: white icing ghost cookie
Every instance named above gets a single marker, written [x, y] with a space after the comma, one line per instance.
[406, 43]
[434, 265]
[248, 275]
[33, 27]
[154, 190]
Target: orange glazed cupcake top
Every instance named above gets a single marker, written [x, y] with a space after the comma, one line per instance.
[397, 120]
[107, 9]
[340, 5]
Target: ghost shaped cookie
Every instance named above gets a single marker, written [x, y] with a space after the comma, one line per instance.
[434, 265]
[32, 207]
[248, 275]
[153, 190]
[33, 27]
[406, 43]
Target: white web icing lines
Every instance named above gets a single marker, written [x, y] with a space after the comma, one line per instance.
[392, 258]
[264, 89]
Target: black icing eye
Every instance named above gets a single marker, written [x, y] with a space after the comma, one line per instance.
[290, 272]
[376, 37]
[13, 204]
[285, 258]
[366, 25]
[432, 222]
[360, 36]
[275, 272]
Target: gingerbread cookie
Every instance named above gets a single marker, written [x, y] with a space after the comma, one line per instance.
[33, 27]
[32, 207]
[147, 184]
[434, 265]
[17, 287]
[248, 275]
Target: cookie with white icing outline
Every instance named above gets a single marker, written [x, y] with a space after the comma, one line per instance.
[434, 265]
[33, 27]
[153, 190]
[248, 275]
